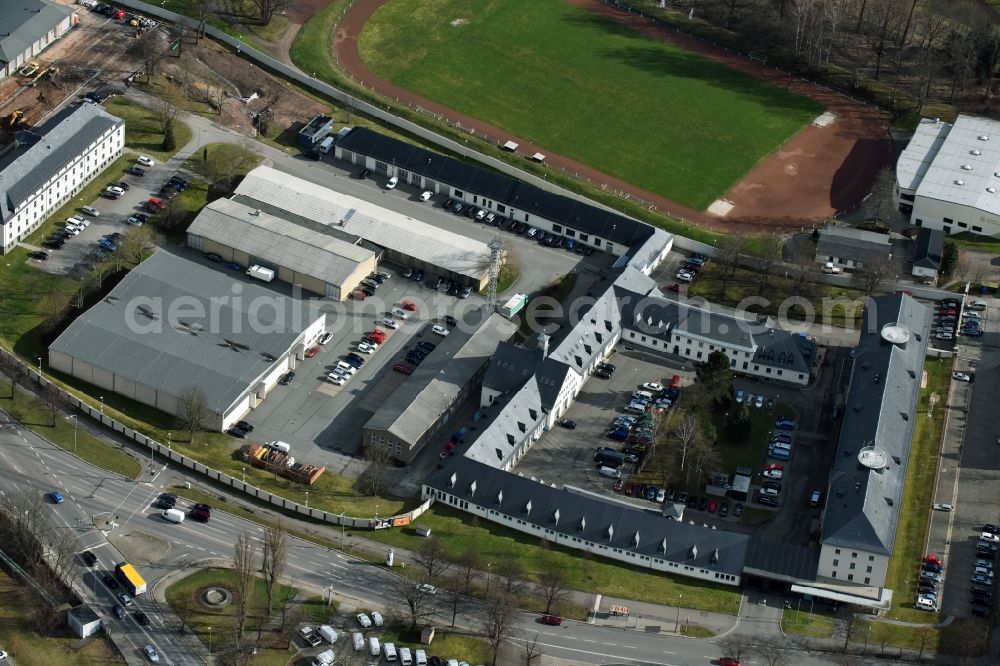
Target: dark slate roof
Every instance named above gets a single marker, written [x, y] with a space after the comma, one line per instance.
[852, 244]
[608, 522]
[789, 351]
[24, 22]
[52, 145]
[929, 248]
[779, 559]
[498, 187]
[511, 367]
[660, 316]
[879, 415]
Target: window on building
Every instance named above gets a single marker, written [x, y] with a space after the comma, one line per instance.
[836, 563]
[570, 233]
[868, 569]
[947, 230]
[948, 220]
[852, 566]
[871, 558]
[850, 576]
[854, 554]
[597, 242]
[501, 208]
[868, 581]
[963, 225]
[459, 194]
[833, 574]
[977, 229]
[610, 247]
[584, 237]
[557, 228]
[837, 551]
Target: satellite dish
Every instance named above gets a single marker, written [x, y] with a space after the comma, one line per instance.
[896, 334]
[873, 458]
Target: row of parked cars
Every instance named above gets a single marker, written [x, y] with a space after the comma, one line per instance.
[499, 221]
[369, 285]
[982, 571]
[635, 429]
[689, 270]
[946, 318]
[441, 284]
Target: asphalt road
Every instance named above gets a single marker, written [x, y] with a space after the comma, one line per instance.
[29, 464]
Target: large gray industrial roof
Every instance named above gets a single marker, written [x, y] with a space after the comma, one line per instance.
[424, 242]
[279, 241]
[435, 385]
[173, 322]
[863, 504]
[24, 22]
[581, 515]
[48, 149]
[957, 164]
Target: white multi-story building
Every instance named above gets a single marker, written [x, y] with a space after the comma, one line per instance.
[948, 177]
[51, 163]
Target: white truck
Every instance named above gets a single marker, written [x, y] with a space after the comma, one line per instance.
[327, 145]
[261, 273]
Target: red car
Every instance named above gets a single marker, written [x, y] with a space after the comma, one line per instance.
[674, 287]
[774, 466]
[153, 201]
[675, 381]
[934, 559]
[408, 305]
[402, 367]
[553, 620]
[712, 506]
[949, 311]
[730, 661]
[628, 488]
[359, 295]
[312, 351]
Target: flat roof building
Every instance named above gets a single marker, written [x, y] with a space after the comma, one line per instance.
[321, 263]
[946, 178]
[50, 163]
[29, 27]
[173, 324]
[403, 239]
[423, 405]
[851, 248]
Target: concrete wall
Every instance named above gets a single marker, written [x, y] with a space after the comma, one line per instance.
[950, 218]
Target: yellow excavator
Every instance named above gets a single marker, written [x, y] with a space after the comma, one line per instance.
[15, 118]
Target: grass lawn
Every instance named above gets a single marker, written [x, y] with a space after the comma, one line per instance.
[449, 645]
[460, 533]
[976, 242]
[964, 636]
[19, 637]
[835, 306]
[184, 595]
[142, 128]
[804, 623]
[749, 451]
[35, 415]
[594, 85]
[914, 513]
[217, 160]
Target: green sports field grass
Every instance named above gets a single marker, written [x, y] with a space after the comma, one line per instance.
[648, 112]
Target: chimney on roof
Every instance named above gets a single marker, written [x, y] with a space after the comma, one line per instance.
[256, 211]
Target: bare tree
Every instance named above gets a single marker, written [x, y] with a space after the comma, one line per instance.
[470, 569]
[881, 200]
[498, 622]
[244, 567]
[149, 49]
[166, 113]
[737, 645]
[266, 9]
[289, 614]
[768, 257]
[875, 273]
[510, 573]
[686, 433]
[553, 582]
[275, 559]
[134, 243]
[378, 458]
[772, 651]
[730, 248]
[420, 601]
[192, 410]
[13, 369]
[852, 628]
[531, 649]
[432, 558]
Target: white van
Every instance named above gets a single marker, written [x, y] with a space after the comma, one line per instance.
[421, 658]
[374, 647]
[346, 367]
[830, 269]
[977, 304]
[642, 395]
[611, 472]
[780, 445]
[404, 656]
[173, 516]
[927, 605]
[327, 633]
[324, 658]
[768, 492]
[390, 651]
[280, 446]
[326, 145]
[358, 639]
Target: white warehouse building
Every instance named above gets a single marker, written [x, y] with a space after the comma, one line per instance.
[948, 178]
[51, 163]
[173, 323]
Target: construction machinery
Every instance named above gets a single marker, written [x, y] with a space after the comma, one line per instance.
[28, 69]
[280, 463]
[15, 118]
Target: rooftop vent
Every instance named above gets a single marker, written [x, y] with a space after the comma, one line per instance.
[693, 553]
[555, 517]
[583, 525]
[663, 545]
[873, 458]
[452, 480]
[527, 508]
[611, 532]
[635, 540]
[472, 489]
[895, 334]
[960, 182]
[499, 498]
[967, 167]
[991, 190]
[983, 137]
[975, 152]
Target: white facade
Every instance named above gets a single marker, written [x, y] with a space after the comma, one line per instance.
[953, 218]
[557, 538]
[845, 565]
[58, 29]
[78, 170]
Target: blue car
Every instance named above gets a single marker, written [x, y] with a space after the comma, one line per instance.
[619, 434]
[233, 266]
[650, 493]
[56, 496]
[785, 423]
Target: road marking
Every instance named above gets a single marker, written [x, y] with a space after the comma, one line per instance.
[599, 654]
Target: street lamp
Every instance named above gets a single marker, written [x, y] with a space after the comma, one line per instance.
[488, 565]
[342, 530]
[75, 424]
[39, 365]
[102, 404]
[677, 622]
[210, 641]
[244, 475]
[307, 499]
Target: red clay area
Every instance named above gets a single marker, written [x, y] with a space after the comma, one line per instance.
[816, 173]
